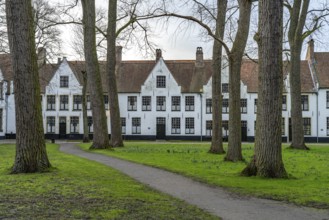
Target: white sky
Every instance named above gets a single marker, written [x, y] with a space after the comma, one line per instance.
[174, 46]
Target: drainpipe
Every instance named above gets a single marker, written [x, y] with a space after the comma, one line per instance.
[317, 116]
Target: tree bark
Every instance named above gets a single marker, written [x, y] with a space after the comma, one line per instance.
[295, 37]
[234, 152]
[84, 109]
[267, 161]
[101, 137]
[31, 155]
[217, 136]
[116, 136]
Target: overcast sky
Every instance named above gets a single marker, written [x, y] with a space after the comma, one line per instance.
[174, 46]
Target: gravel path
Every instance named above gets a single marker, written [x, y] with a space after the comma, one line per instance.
[212, 199]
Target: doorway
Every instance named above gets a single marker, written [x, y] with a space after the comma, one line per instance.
[161, 128]
[62, 128]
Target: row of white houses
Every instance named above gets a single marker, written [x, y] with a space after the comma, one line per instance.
[167, 99]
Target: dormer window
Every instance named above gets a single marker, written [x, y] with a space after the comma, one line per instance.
[64, 82]
[161, 82]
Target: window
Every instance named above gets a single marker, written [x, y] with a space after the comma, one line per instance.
[283, 127]
[225, 107]
[284, 103]
[255, 106]
[208, 106]
[64, 102]
[77, 102]
[225, 88]
[189, 103]
[225, 128]
[50, 124]
[208, 128]
[64, 82]
[327, 99]
[175, 125]
[1, 120]
[106, 101]
[1, 90]
[304, 102]
[146, 103]
[307, 126]
[161, 82]
[136, 125]
[51, 102]
[132, 103]
[90, 124]
[88, 102]
[161, 103]
[74, 125]
[175, 103]
[123, 125]
[243, 105]
[189, 125]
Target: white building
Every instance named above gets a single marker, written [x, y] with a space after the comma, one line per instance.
[167, 99]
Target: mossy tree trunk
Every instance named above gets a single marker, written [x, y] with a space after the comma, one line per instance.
[101, 137]
[31, 155]
[217, 136]
[116, 136]
[234, 152]
[267, 161]
[298, 14]
[84, 108]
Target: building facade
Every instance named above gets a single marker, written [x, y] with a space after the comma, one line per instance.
[167, 99]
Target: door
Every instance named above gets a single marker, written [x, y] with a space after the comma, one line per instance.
[62, 127]
[161, 128]
[244, 130]
[290, 130]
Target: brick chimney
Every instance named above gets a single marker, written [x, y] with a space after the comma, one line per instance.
[42, 53]
[310, 51]
[118, 54]
[199, 57]
[158, 54]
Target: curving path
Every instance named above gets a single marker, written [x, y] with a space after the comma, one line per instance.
[212, 199]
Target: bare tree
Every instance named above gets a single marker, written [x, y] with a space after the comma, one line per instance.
[101, 138]
[267, 161]
[31, 155]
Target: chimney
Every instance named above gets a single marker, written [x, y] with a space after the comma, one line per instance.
[158, 53]
[59, 60]
[199, 57]
[118, 54]
[310, 51]
[42, 53]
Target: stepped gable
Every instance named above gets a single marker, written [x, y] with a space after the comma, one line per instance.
[322, 68]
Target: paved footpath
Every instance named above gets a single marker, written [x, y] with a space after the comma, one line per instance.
[215, 200]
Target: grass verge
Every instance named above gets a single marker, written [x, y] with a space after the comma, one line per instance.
[81, 189]
[308, 182]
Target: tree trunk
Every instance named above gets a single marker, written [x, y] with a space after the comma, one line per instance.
[31, 155]
[267, 161]
[217, 137]
[296, 27]
[235, 59]
[116, 136]
[84, 109]
[101, 137]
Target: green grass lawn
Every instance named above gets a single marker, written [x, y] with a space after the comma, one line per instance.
[81, 189]
[308, 182]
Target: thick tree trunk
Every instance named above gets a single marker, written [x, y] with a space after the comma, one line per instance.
[217, 137]
[101, 137]
[116, 136]
[31, 155]
[84, 109]
[298, 16]
[267, 161]
[235, 58]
